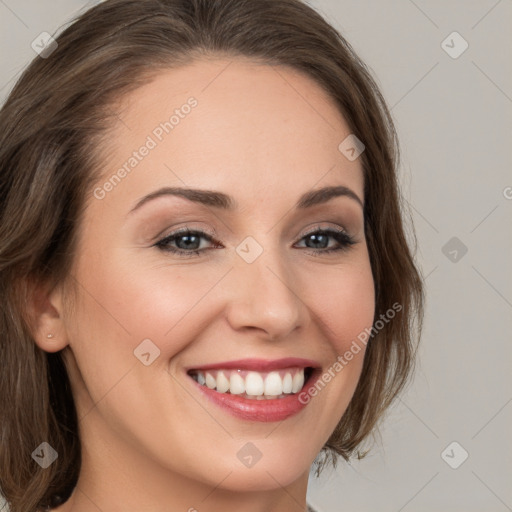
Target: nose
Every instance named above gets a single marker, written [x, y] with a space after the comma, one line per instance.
[264, 297]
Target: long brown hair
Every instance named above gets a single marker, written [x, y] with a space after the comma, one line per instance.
[51, 126]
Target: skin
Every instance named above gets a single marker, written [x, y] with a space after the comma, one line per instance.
[150, 440]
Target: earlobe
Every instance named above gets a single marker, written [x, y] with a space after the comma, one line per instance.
[46, 318]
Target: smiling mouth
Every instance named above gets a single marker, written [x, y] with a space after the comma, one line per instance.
[254, 385]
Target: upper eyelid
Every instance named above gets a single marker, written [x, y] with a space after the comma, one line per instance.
[326, 228]
[184, 230]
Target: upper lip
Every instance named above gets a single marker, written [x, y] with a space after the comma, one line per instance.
[262, 365]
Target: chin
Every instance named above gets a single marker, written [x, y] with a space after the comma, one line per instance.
[274, 469]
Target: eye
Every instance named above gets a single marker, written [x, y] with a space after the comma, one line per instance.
[187, 242]
[319, 240]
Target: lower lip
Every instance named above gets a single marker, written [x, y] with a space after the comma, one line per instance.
[274, 409]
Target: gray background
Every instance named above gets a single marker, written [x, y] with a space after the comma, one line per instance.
[454, 118]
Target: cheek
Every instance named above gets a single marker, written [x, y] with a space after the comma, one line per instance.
[122, 304]
[343, 299]
[127, 302]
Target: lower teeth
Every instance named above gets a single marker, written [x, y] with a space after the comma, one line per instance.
[258, 397]
[261, 397]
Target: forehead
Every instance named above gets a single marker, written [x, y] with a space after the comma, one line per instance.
[230, 124]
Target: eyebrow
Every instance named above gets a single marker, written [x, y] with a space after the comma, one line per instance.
[226, 202]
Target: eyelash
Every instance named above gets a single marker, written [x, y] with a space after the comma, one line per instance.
[341, 236]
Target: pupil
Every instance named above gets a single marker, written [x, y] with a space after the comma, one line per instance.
[318, 240]
[189, 240]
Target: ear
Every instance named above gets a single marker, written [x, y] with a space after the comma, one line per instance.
[45, 311]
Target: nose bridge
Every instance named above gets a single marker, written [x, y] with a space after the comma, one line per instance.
[263, 292]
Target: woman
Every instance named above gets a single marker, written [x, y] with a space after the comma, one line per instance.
[205, 276]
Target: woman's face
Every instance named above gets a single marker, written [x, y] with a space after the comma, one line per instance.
[263, 297]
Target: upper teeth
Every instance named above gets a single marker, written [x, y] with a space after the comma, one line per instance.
[237, 382]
